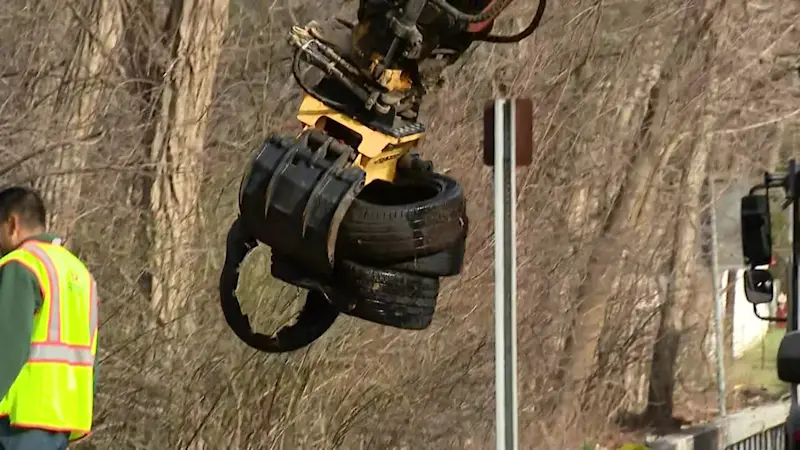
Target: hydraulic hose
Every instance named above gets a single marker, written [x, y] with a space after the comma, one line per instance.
[489, 13]
[296, 61]
[316, 317]
[532, 26]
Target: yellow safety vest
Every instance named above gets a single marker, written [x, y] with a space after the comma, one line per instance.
[55, 389]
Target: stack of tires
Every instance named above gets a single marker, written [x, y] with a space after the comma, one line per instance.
[394, 244]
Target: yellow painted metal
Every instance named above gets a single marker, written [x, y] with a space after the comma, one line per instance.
[378, 152]
[383, 167]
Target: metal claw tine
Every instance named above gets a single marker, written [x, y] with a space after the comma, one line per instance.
[322, 151]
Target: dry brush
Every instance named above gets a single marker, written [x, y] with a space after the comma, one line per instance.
[136, 119]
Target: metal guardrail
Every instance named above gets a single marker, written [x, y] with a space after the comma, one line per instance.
[771, 439]
[760, 428]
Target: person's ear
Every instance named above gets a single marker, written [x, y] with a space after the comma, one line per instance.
[12, 224]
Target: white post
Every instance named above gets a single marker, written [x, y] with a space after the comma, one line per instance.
[719, 309]
[505, 274]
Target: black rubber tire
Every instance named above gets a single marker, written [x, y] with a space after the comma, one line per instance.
[380, 284]
[420, 214]
[316, 317]
[289, 271]
[443, 264]
[403, 313]
[385, 297]
[446, 263]
[413, 162]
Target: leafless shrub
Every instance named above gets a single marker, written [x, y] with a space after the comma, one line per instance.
[622, 93]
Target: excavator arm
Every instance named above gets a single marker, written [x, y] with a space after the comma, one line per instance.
[350, 214]
[385, 58]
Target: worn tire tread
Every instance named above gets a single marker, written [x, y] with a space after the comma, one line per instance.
[380, 233]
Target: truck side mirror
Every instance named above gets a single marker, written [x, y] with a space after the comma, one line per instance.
[759, 287]
[789, 358]
[756, 235]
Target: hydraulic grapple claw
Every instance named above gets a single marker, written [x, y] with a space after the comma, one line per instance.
[296, 194]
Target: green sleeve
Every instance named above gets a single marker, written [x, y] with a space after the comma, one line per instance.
[20, 298]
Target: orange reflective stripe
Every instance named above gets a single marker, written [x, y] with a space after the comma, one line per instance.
[46, 428]
[54, 349]
[33, 271]
[54, 321]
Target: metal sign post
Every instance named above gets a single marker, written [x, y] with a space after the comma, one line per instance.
[508, 136]
[719, 307]
[793, 191]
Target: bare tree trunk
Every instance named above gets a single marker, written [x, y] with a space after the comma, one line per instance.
[774, 155]
[582, 225]
[627, 211]
[584, 217]
[85, 90]
[146, 69]
[684, 266]
[197, 28]
[665, 349]
[585, 208]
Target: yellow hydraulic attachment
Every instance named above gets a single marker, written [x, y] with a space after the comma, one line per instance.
[378, 152]
[375, 253]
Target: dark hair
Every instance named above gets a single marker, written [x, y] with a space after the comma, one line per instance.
[25, 203]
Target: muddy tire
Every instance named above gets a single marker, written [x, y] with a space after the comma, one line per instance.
[446, 263]
[382, 296]
[404, 313]
[420, 214]
[386, 297]
[413, 162]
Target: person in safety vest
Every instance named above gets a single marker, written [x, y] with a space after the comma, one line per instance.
[48, 330]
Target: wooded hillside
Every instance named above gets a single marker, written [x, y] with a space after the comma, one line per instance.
[137, 118]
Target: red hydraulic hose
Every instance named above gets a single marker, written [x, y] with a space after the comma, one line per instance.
[480, 26]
